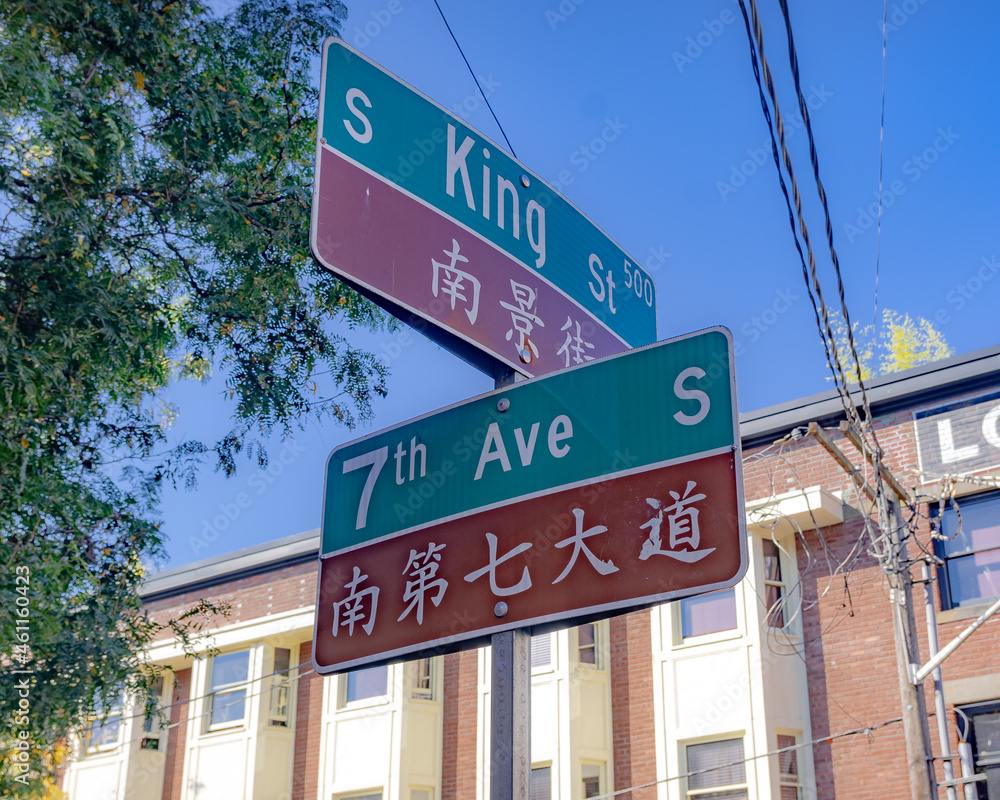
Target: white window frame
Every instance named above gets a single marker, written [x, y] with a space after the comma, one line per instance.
[100, 720]
[680, 640]
[212, 692]
[343, 683]
[423, 678]
[783, 604]
[281, 685]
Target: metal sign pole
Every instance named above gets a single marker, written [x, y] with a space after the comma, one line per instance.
[510, 721]
[510, 698]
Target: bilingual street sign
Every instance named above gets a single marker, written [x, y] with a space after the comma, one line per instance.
[585, 493]
[436, 223]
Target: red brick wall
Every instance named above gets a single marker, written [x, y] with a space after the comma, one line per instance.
[846, 620]
[460, 725]
[173, 773]
[308, 719]
[632, 728]
[283, 589]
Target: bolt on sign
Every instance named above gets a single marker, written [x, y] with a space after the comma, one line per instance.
[585, 493]
[440, 226]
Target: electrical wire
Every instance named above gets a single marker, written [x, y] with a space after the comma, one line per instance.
[867, 730]
[881, 141]
[485, 98]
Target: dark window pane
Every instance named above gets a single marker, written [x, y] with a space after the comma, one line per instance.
[282, 659]
[974, 577]
[708, 613]
[365, 683]
[788, 761]
[980, 527]
[772, 561]
[776, 613]
[587, 640]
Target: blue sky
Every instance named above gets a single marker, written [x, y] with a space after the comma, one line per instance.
[646, 116]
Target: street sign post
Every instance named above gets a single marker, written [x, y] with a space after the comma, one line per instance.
[439, 225]
[585, 493]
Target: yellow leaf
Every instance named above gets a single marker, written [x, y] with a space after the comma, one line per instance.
[221, 88]
[140, 81]
[24, 442]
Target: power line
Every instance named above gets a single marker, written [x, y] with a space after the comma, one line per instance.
[867, 730]
[881, 140]
[502, 131]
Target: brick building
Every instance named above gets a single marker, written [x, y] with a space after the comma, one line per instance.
[684, 700]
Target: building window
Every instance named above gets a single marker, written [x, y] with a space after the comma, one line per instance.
[591, 776]
[367, 796]
[281, 688]
[586, 641]
[541, 650]
[421, 794]
[708, 613]
[423, 679]
[774, 585]
[970, 548]
[227, 698]
[105, 726]
[364, 684]
[984, 736]
[788, 767]
[716, 770]
[540, 787]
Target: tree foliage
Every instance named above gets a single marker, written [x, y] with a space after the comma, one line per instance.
[155, 171]
[899, 343]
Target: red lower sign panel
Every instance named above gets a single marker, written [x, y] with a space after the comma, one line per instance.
[375, 236]
[593, 550]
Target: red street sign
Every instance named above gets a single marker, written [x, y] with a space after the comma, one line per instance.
[592, 550]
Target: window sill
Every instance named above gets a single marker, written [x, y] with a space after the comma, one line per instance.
[224, 728]
[689, 642]
[959, 613]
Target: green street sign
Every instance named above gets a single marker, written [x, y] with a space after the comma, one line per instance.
[661, 404]
[433, 220]
[588, 492]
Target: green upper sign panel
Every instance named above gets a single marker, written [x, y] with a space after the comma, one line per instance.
[663, 404]
[392, 131]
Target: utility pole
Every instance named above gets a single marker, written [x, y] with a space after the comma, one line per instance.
[919, 757]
